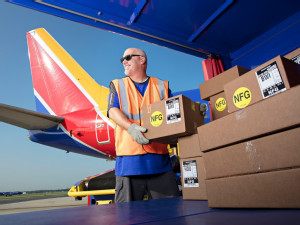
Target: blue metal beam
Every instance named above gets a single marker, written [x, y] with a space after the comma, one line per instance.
[221, 9]
[137, 11]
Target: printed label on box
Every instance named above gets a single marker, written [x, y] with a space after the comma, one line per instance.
[270, 80]
[296, 59]
[173, 111]
[156, 118]
[220, 104]
[189, 173]
[242, 97]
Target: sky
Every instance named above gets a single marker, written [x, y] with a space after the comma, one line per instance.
[27, 166]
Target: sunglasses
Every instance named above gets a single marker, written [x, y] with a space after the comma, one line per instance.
[128, 57]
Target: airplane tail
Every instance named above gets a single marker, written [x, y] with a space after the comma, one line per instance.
[60, 84]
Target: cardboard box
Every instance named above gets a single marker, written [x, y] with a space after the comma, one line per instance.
[193, 179]
[276, 189]
[215, 85]
[273, 152]
[172, 118]
[294, 56]
[269, 116]
[218, 105]
[189, 146]
[272, 77]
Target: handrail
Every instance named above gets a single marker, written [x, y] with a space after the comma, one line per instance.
[73, 193]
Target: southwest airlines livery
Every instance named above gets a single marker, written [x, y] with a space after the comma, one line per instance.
[71, 106]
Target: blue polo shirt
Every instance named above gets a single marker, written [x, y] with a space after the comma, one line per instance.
[139, 164]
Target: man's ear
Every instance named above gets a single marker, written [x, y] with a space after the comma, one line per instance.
[143, 60]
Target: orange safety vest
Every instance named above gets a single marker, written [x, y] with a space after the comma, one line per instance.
[131, 103]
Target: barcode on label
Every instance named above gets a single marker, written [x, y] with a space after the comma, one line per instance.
[296, 59]
[187, 167]
[269, 80]
[265, 77]
[173, 111]
[171, 106]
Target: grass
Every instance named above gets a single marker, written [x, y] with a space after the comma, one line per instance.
[32, 196]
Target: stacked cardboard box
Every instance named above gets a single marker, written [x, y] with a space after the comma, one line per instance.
[178, 118]
[272, 77]
[170, 119]
[294, 56]
[276, 113]
[213, 90]
[216, 84]
[252, 156]
[192, 168]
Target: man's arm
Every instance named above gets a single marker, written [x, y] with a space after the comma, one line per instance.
[132, 128]
[119, 118]
[113, 109]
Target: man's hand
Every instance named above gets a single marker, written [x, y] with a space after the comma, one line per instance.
[136, 133]
[203, 109]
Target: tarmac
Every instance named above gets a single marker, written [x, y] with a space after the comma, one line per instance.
[41, 204]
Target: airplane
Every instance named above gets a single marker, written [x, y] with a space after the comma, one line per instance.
[71, 106]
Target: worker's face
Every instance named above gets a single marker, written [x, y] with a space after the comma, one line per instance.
[133, 65]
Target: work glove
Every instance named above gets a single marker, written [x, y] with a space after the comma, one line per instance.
[136, 133]
[203, 109]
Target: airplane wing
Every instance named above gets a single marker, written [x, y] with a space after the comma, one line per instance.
[27, 119]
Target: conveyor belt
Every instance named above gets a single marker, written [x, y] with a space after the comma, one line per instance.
[102, 182]
[160, 211]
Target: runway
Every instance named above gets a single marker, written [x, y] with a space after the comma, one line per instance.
[40, 205]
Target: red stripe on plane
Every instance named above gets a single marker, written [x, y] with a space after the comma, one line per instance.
[52, 84]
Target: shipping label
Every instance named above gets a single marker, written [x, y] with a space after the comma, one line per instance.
[189, 172]
[173, 110]
[270, 80]
[296, 59]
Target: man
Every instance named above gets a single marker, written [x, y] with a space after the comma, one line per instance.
[141, 166]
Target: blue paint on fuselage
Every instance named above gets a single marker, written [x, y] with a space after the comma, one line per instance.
[57, 138]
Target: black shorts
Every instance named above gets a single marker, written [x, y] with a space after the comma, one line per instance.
[133, 188]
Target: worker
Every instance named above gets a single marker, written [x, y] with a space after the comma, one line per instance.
[141, 166]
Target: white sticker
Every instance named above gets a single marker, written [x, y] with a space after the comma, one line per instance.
[270, 81]
[173, 110]
[296, 59]
[189, 173]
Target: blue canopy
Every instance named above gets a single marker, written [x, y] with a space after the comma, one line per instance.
[243, 32]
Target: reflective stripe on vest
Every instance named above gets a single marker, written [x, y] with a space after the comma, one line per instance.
[123, 97]
[124, 103]
[161, 87]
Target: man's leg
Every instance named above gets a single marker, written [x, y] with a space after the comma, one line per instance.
[162, 185]
[130, 188]
[138, 187]
[123, 189]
